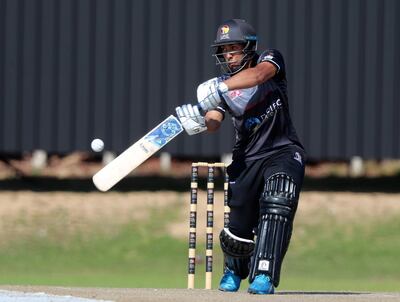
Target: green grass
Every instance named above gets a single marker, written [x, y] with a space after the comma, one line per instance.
[362, 257]
[328, 256]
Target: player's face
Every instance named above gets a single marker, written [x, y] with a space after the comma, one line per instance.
[233, 54]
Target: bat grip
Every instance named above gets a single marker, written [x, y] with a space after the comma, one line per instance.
[202, 112]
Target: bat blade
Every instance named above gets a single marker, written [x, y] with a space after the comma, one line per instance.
[136, 154]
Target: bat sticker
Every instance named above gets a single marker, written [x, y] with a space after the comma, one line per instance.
[161, 135]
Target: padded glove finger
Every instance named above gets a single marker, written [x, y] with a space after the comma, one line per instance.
[190, 122]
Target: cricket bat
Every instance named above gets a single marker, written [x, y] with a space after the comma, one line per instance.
[136, 154]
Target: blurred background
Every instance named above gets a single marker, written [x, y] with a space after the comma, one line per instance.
[75, 70]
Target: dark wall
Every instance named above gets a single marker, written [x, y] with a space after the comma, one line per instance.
[72, 70]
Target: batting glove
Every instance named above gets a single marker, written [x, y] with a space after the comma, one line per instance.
[191, 119]
[209, 94]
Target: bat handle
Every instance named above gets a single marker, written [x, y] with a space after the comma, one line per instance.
[201, 110]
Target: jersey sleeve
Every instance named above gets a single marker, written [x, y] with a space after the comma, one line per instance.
[275, 57]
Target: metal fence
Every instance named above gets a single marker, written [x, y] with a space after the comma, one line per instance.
[72, 70]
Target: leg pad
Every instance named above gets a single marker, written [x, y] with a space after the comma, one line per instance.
[237, 252]
[278, 205]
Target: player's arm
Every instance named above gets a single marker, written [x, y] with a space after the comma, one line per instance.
[210, 93]
[213, 119]
[270, 64]
[252, 76]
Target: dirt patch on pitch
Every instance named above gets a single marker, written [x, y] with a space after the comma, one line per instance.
[183, 295]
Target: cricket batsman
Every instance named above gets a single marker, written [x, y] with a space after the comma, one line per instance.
[267, 170]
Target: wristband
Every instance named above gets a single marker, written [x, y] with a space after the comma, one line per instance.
[222, 88]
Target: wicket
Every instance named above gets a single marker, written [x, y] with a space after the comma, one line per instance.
[209, 222]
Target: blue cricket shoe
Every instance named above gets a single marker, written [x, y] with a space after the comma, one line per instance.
[261, 285]
[229, 282]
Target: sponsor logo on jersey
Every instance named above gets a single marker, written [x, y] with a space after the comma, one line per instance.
[267, 57]
[276, 105]
[251, 123]
[233, 94]
[297, 157]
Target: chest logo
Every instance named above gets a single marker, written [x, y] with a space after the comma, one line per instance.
[272, 109]
[251, 123]
[234, 94]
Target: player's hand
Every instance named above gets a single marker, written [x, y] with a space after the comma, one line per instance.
[209, 94]
[192, 121]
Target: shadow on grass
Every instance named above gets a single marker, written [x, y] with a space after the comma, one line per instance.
[159, 183]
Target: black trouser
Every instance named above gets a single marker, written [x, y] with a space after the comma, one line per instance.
[247, 180]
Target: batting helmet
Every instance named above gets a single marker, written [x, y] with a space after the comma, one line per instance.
[235, 31]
